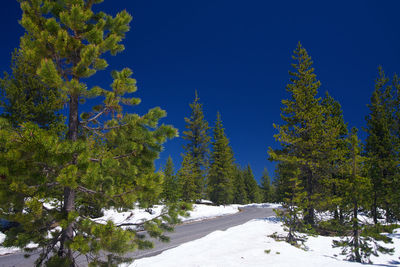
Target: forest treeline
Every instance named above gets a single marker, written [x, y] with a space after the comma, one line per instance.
[208, 169]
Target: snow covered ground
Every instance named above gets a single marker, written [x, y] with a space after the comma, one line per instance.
[3, 250]
[244, 245]
[199, 212]
[248, 244]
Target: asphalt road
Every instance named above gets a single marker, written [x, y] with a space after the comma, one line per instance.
[182, 234]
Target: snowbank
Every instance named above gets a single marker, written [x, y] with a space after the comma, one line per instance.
[4, 250]
[199, 212]
[248, 244]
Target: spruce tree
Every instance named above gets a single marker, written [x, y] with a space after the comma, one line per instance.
[252, 190]
[187, 175]
[381, 146]
[220, 175]
[239, 186]
[283, 172]
[198, 142]
[334, 157]
[363, 239]
[266, 187]
[304, 139]
[395, 195]
[104, 158]
[170, 186]
[292, 212]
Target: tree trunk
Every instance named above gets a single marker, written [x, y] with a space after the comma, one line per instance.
[388, 212]
[341, 215]
[374, 209]
[309, 218]
[69, 193]
[336, 211]
[356, 234]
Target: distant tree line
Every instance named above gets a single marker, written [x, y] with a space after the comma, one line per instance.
[211, 173]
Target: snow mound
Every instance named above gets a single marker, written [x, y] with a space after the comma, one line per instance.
[249, 245]
[199, 212]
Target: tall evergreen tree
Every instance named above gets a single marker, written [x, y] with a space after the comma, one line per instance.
[363, 239]
[395, 195]
[335, 156]
[381, 146]
[304, 138]
[252, 190]
[198, 142]
[170, 186]
[239, 186]
[105, 157]
[266, 186]
[220, 175]
[187, 175]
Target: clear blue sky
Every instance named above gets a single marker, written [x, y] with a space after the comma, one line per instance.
[237, 55]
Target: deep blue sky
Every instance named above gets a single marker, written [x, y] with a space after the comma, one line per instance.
[237, 55]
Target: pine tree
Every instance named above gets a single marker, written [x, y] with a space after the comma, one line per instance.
[187, 175]
[363, 239]
[26, 98]
[220, 175]
[170, 186]
[105, 158]
[239, 186]
[266, 187]
[335, 156]
[252, 190]
[395, 195]
[198, 142]
[304, 139]
[381, 146]
[292, 212]
[283, 172]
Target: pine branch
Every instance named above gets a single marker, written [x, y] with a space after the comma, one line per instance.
[105, 128]
[133, 153]
[141, 223]
[46, 185]
[93, 192]
[89, 4]
[86, 190]
[48, 249]
[95, 117]
[93, 130]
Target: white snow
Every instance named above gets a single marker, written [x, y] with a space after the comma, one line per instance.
[245, 245]
[199, 212]
[4, 250]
